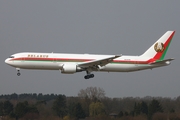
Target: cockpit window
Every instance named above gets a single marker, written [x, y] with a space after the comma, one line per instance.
[11, 57]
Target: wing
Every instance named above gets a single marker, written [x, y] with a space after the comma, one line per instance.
[98, 62]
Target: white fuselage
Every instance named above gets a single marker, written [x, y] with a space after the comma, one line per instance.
[54, 61]
[72, 63]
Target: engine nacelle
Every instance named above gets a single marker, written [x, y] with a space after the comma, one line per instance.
[69, 68]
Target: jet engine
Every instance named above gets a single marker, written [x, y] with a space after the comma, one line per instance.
[69, 69]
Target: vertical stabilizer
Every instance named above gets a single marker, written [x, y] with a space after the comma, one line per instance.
[158, 50]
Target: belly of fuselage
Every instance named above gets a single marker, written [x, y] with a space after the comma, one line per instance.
[56, 66]
[124, 67]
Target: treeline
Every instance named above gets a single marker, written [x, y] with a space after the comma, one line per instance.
[26, 96]
[90, 104]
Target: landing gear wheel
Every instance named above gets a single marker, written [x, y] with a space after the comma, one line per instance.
[89, 76]
[18, 71]
[18, 74]
[86, 77]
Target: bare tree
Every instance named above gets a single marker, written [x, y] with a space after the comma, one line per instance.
[92, 93]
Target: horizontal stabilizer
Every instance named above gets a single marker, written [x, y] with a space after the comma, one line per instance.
[167, 61]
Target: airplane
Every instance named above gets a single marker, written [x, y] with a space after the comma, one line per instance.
[72, 63]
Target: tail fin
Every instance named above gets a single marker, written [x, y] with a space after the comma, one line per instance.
[158, 50]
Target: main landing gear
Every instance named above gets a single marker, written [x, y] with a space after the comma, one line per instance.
[18, 71]
[89, 75]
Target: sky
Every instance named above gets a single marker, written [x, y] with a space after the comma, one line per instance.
[127, 27]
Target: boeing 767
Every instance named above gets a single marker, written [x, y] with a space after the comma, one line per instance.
[72, 63]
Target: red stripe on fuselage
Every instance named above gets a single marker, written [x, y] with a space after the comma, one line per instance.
[80, 60]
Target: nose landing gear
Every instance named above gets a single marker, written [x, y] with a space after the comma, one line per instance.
[18, 71]
[18, 74]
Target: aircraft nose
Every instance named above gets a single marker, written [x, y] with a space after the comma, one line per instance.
[7, 61]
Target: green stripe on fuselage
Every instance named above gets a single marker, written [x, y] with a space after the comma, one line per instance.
[80, 61]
